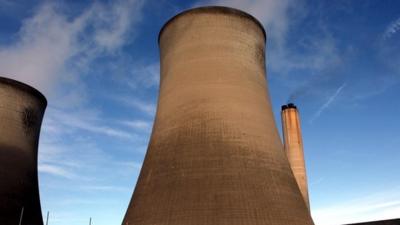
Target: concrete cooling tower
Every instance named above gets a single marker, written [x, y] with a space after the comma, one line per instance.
[21, 112]
[215, 156]
[293, 144]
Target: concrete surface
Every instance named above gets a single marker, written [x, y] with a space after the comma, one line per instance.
[215, 156]
[293, 144]
[21, 112]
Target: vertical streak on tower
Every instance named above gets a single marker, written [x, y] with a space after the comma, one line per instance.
[215, 156]
[21, 112]
[293, 145]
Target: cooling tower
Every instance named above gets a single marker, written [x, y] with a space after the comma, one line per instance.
[21, 113]
[293, 145]
[215, 156]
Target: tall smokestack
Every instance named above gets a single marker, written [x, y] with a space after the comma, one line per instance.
[21, 112]
[293, 144]
[215, 156]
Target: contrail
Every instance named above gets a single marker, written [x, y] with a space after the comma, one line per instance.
[327, 103]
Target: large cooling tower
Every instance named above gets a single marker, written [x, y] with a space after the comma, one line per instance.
[293, 144]
[215, 156]
[21, 113]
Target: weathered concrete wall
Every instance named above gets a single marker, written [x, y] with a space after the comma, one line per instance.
[21, 112]
[215, 156]
[293, 144]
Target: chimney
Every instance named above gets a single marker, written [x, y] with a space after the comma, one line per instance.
[293, 144]
[215, 156]
[21, 112]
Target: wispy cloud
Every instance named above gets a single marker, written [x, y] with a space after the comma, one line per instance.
[56, 48]
[317, 181]
[113, 21]
[138, 124]
[321, 53]
[392, 29]
[149, 108]
[145, 106]
[273, 14]
[60, 120]
[327, 103]
[59, 51]
[294, 62]
[68, 144]
[144, 76]
[376, 206]
[389, 55]
[104, 188]
[55, 170]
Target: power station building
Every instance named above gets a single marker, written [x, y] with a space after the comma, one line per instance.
[21, 112]
[215, 155]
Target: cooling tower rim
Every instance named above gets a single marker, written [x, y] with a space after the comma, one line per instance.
[24, 87]
[222, 9]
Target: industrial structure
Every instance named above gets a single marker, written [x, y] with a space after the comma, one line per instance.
[21, 112]
[293, 145]
[215, 156]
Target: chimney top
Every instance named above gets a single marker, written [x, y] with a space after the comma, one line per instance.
[289, 106]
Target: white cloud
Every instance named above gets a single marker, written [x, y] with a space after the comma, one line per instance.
[376, 206]
[60, 120]
[320, 53]
[105, 188]
[272, 13]
[392, 29]
[389, 53]
[144, 76]
[55, 170]
[113, 22]
[46, 42]
[53, 49]
[138, 124]
[314, 52]
[69, 145]
[147, 107]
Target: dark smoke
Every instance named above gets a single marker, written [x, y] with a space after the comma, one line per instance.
[296, 95]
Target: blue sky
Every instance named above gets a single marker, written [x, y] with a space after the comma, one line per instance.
[97, 63]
